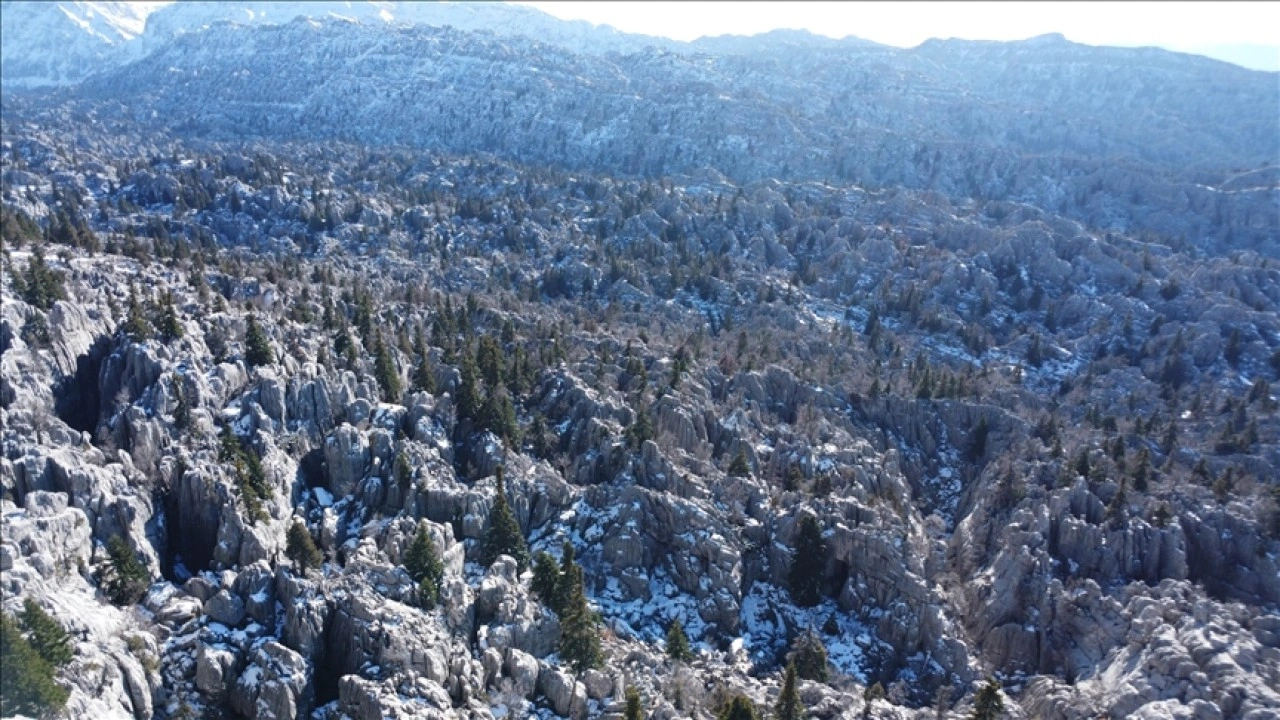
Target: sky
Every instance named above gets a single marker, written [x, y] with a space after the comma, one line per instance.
[1241, 32]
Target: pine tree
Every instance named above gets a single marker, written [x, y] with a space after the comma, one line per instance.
[678, 643]
[41, 286]
[27, 684]
[257, 348]
[167, 321]
[634, 710]
[423, 564]
[564, 579]
[789, 706]
[808, 563]
[128, 578]
[504, 536]
[739, 466]
[468, 394]
[738, 708]
[988, 704]
[424, 376]
[301, 549]
[384, 369]
[182, 406]
[546, 577]
[810, 657]
[48, 637]
[136, 325]
[579, 634]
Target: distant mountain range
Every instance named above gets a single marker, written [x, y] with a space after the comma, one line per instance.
[1123, 139]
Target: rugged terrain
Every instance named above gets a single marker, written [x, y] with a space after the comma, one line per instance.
[1036, 429]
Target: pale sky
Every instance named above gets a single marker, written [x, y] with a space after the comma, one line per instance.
[1186, 26]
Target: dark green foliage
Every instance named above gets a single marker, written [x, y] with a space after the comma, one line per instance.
[257, 349]
[634, 710]
[47, 636]
[468, 393]
[498, 416]
[1233, 349]
[546, 578]
[182, 407]
[27, 686]
[17, 228]
[1142, 471]
[641, 429]
[424, 375]
[579, 631]
[489, 361]
[41, 285]
[739, 466]
[136, 324]
[831, 626]
[127, 578]
[871, 694]
[677, 643]
[384, 370]
[504, 536]
[789, 706]
[988, 703]
[167, 319]
[808, 563]
[738, 708]
[251, 479]
[301, 549]
[423, 564]
[810, 657]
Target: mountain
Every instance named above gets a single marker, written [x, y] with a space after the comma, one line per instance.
[1108, 136]
[61, 43]
[356, 369]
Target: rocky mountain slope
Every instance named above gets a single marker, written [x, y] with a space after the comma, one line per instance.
[273, 331]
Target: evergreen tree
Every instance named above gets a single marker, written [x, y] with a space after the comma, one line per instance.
[789, 706]
[546, 577]
[739, 466]
[424, 375]
[128, 578]
[634, 710]
[301, 549]
[423, 565]
[384, 369]
[564, 579]
[808, 563]
[167, 321]
[504, 536]
[47, 636]
[41, 285]
[677, 643]
[738, 708]
[136, 325]
[988, 704]
[810, 657]
[182, 406]
[27, 686]
[468, 394]
[871, 694]
[641, 429]
[257, 349]
[579, 634]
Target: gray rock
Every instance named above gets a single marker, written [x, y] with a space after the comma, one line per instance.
[225, 607]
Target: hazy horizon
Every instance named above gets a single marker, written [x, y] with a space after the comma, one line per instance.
[1233, 32]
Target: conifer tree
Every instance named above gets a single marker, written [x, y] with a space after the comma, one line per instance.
[634, 710]
[47, 636]
[504, 536]
[564, 580]
[546, 578]
[128, 578]
[167, 321]
[738, 708]
[423, 564]
[810, 657]
[424, 375]
[808, 563]
[42, 286]
[257, 348]
[384, 369]
[27, 684]
[678, 643]
[301, 549]
[468, 394]
[739, 466]
[579, 634]
[136, 325]
[789, 706]
[988, 703]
